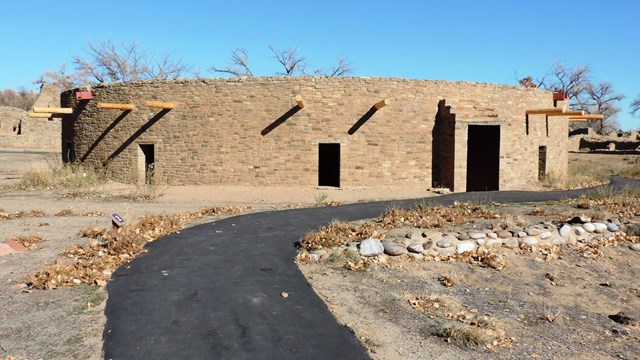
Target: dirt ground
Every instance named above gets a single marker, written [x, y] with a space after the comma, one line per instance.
[67, 323]
[543, 307]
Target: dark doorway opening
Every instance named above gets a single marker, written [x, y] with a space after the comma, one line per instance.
[483, 158]
[148, 152]
[542, 162]
[329, 165]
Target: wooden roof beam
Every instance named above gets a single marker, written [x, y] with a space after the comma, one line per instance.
[40, 115]
[587, 117]
[299, 101]
[112, 106]
[568, 113]
[53, 110]
[161, 105]
[382, 103]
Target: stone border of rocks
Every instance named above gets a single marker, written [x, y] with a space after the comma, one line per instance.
[420, 242]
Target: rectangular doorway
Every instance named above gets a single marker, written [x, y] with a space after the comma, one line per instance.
[542, 162]
[329, 165]
[483, 157]
[146, 163]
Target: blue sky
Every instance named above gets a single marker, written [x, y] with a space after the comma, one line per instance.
[486, 41]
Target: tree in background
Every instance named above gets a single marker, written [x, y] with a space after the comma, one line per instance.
[583, 93]
[291, 61]
[110, 62]
[635, 106]
[21, 99]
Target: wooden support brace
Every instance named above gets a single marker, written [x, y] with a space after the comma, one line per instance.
[380, 104]
[53, 110]
[587, 117]
[35, 115]
[299, 101]
[161, 105]
[116, 106]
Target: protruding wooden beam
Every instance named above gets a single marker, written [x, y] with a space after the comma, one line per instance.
[116, 106]
[40, 115]
[299, 101]
[587, 117]
[53, 110]
[568, 113]
[380, 104]
[161, 105]
[544, 111]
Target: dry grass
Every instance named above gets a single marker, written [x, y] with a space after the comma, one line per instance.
[73, 177]
[585, 174]
[336, 234]
[438, 216]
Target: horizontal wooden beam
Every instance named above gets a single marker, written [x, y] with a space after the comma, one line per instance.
[116, 106]
[161, 105]
[568, 113]
[35, 115]
[545, 111]
[299, 101]
[53, 110]
[587, 117]
[380, 104]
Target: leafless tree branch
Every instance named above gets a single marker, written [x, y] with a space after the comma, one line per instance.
[239, 64]
[343, 68]
[289, 59]
[635, 106]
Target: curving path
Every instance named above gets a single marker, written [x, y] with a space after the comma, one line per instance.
[213, 291]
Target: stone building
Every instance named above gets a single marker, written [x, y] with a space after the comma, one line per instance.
[19, 131]
[251, 131]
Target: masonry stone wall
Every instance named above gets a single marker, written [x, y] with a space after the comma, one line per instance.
[18, 131]
[248, 131]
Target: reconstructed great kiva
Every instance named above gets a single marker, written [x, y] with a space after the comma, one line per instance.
[319, 131]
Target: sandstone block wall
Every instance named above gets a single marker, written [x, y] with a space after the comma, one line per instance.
[17, 131]
[248, 132]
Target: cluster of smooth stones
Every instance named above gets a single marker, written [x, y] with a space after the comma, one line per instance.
[419, 242]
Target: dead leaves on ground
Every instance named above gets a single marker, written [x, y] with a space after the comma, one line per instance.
[463, 327]
[31, 242]
[20, 214]
[93, 263]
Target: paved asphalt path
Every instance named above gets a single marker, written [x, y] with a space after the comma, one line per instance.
[213, 291]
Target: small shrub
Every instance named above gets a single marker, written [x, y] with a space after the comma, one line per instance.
[60, 176]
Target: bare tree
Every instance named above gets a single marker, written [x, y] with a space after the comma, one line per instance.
[21, 99]
[602, 99]
[290, 60]
[166, 68]
[635, 106]
[239, 64]
[63, 79]
[528, 82]
[111, 62]
[342, 69]
[292, 64]
[573, 82]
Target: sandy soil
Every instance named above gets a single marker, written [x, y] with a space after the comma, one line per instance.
[67, 323]
[546, 308]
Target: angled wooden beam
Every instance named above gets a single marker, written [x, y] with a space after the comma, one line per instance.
[35, 115]
[299, 101]
[53, 110]
[161, 105]
[380, 104]
[116, 106]
[587, 117]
